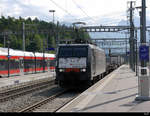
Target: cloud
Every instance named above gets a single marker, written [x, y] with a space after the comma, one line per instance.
[17, 9]
[100, 11]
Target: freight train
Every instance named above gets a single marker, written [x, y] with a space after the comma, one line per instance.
[17, 62]
[79, 64]
[113, 62]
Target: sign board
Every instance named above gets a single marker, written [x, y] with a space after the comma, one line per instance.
[144, 52]
[52, 49]
[128, 53]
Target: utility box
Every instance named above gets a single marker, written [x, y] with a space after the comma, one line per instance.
[143, 86]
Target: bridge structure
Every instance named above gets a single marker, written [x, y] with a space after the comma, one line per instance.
[113, 46]
[127, 46]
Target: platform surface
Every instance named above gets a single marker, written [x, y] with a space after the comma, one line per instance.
[8, 81]
[114, 93]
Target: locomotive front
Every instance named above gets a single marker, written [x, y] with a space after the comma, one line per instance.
[71, 65]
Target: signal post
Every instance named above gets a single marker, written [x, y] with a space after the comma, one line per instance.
[143, 78]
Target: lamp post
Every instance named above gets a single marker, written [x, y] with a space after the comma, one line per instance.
[43, 56]
[53, 11]
[23, 36]
[8, 57]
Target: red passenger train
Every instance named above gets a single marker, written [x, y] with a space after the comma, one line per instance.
[21, 62]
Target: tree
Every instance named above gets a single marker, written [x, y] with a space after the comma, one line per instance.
[1, 45]
[15, 42]
[34, 42]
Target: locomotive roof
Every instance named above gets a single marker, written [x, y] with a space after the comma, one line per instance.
[91, 45]
[74, 44]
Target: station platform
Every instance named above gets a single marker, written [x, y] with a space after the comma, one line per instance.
[14, 80]
[114, 93]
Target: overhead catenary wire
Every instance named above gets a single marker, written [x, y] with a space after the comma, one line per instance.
[63, 9]
[82, 10]
[68, 12]
[93, 19]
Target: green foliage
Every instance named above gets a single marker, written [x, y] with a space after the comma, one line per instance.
[35, 42]
[1, 45]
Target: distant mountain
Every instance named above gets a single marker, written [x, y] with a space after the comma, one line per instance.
[136, 22]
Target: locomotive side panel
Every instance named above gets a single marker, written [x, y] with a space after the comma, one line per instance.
[92, 63]
[100, 62]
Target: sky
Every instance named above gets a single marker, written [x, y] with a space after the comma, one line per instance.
[92, 12]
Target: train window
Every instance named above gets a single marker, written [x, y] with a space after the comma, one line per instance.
[29, 63]
[2, 65]
[75, 51]
[80, 52]
[38, 63]
[65, 52]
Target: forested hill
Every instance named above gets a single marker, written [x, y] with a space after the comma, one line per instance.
[35, 38]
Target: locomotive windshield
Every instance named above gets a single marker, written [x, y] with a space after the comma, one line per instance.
[72, 51]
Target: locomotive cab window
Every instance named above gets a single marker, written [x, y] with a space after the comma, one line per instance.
[80, 52]
[65, 52]
[73, 51]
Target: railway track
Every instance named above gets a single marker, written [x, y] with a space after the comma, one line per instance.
[25, 88]
[65, 103]
[38, 104]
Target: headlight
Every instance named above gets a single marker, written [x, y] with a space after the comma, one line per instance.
[83, 70]
[61, 70]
